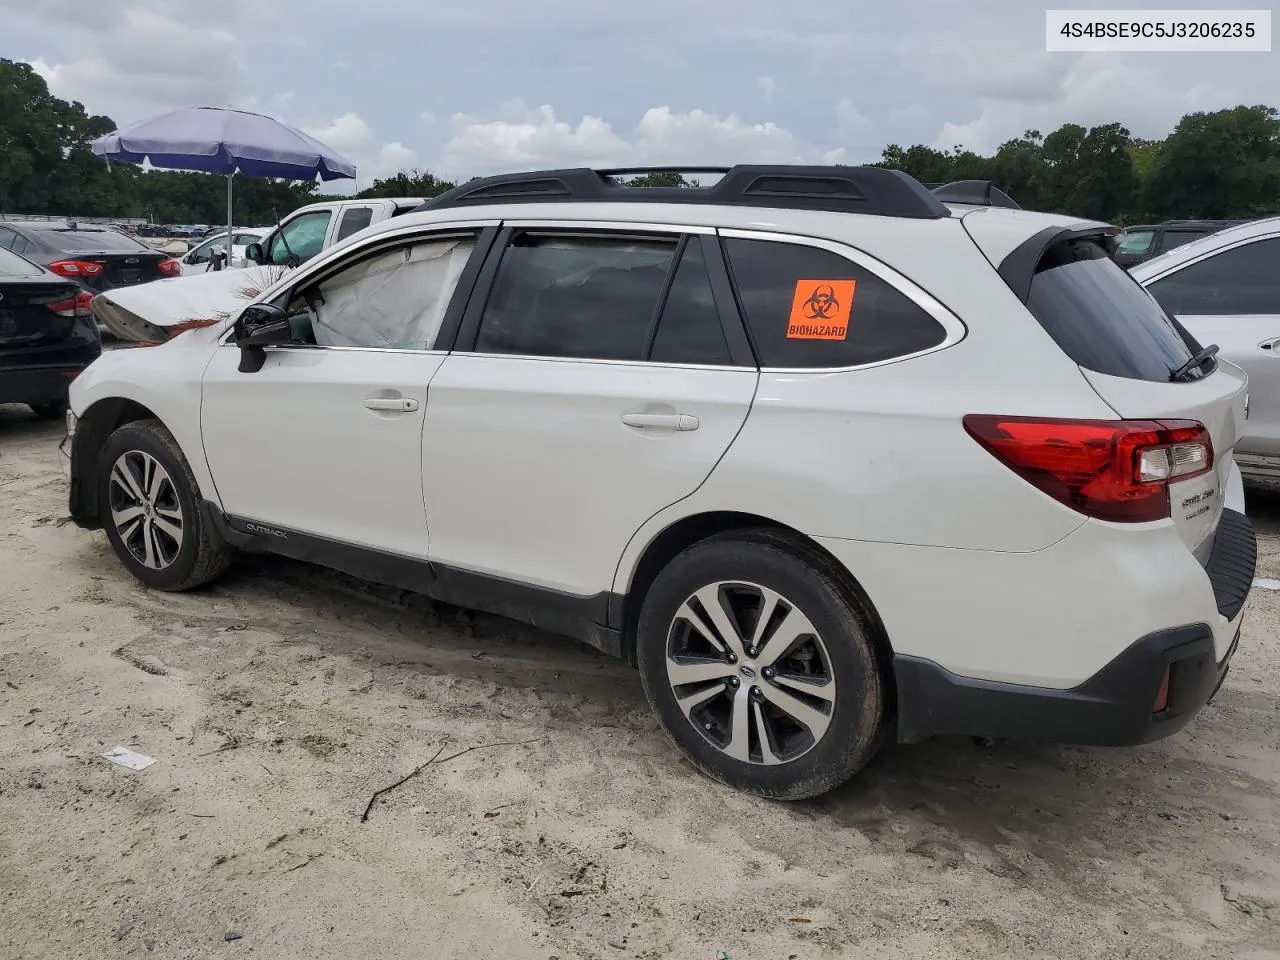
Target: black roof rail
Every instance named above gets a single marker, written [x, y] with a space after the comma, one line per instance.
[982, 193]
[870, 190]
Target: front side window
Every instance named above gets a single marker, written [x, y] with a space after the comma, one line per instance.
[809, 307]
[572, 296]
[204, 252]
[1242, 280]
[301, 238]
[394, 299]
[1176, 238]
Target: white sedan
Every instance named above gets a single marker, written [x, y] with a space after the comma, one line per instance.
[200, 258]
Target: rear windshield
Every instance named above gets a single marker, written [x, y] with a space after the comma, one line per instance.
[88, 241]
[1100, 316]
[12, 265]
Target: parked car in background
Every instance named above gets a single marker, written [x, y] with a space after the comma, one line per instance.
[1142, 242]
[828, 459]
[1225, 289]
[96, 257]
[318, 226]
[47, 335]
[201, 257]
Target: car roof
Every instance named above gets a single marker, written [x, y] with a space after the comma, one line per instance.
[1206, 244]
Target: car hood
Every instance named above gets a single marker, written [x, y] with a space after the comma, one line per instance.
[145, 311]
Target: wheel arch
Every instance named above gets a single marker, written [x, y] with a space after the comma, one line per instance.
[689, 530]
[93, 427]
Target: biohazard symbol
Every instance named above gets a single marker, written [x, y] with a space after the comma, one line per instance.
[820, 310]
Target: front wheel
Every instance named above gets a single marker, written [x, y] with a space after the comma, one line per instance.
[761, 666]
[150, 508]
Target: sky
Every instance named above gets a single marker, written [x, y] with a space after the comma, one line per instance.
[482, 86]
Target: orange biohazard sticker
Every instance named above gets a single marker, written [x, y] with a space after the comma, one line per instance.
[820, 310]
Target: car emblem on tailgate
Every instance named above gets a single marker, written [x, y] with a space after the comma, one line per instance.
[131, 260]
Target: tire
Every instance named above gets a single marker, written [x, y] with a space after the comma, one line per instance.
[140, 529]
[833, 732]
[50, 411]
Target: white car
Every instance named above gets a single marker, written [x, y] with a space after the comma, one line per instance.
[200, 257]
[827, 459]
[1225, 290]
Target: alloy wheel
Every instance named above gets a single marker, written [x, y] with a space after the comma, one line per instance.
[145, 509]
[750, 672]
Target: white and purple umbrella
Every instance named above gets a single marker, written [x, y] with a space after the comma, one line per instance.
[225, 141]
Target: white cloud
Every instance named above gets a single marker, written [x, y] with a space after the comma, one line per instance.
[347, 133]
[537, 138]
[391, 159]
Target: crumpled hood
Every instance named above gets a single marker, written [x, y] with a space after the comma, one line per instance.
[148, 311]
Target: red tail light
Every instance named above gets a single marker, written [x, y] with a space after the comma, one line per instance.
[75, 268]
[1116, 470]
[1162, 695]
[170, 268]
[77, 306]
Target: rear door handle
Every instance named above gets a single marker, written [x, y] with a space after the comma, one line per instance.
[661, 421]
[395, 404]
[1273, 345]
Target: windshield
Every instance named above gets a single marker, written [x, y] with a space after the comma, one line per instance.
[88, 241]
[1101, 317]
[12, 265]
[1135, 241]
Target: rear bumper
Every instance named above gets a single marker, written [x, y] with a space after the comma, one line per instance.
[38, 385]
[1115, 706]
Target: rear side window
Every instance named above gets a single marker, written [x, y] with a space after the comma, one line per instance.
[1100, 317]
[1243, 280]
[808, 307]
[357, 218]
[15, 266]
[690, 330]
[89, 241]
[575, 297]
[1135, 242]
[1176, 238]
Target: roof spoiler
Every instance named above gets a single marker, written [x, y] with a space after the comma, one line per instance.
[981, 193]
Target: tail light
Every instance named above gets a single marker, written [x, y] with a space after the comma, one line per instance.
[170, 268]
[77, 306]
[1117, 470]
[1162, 695]
[75, 269]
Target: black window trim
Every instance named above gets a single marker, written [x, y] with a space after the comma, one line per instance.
[731, 323]
[954, 329]
[1177, 267]
[323, 266]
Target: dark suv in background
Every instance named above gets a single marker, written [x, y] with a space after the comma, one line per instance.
[47, 335]
[96, 257]
[1144, 241]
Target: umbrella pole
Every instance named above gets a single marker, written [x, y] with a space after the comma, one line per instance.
[230, 218]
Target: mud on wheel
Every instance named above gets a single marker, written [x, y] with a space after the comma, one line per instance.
[149, 504]
[761, 666]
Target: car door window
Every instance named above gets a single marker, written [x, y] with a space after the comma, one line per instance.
[394, 299]
[576, 296]
[810, 307]
[301, 238]
[1136, 242]
[202, 253]
[689, 330]
[1242, 280]
[1176, 238]
[357, 218]
[7, 237]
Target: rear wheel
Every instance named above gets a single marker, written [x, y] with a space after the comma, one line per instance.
[150, 505]
[50, 411]
[761, 666]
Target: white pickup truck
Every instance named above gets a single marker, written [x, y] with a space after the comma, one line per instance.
[310, 229]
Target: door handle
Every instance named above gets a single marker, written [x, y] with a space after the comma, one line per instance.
[1273, 345]
[661, 421]
[395, 404]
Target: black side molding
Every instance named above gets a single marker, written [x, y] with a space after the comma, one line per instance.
[583, 618]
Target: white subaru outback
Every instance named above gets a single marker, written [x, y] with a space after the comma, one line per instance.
[827, 459]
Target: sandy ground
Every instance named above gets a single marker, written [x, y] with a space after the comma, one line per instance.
[278, 701]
